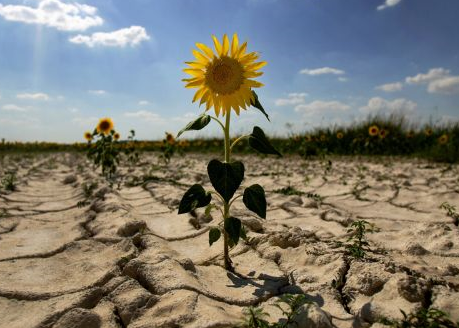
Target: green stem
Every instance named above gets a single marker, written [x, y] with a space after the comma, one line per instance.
[239, 139]
[226, 206]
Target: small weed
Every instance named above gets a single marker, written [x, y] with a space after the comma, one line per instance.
[423, 318]
[255, 316]
[289, 191]
[358, 238]
[451, 212]
[9, 181]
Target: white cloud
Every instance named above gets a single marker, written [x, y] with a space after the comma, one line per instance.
[378, 105]
[73, 110]
[131, 36]
[343, 79]
[321, 71]
[33, 96]
[432, 75]
[438, 80]
[97, 92]
[319, 106]
[388, 3]
[14, 108]
[54, 13]
[86, 122]
[447, 85]
[145, 115]
[292, 99]
[390, 87]
[144, 102]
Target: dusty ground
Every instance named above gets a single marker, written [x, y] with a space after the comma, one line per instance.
[126, 259]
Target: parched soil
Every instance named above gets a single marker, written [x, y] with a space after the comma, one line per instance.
[121, 256]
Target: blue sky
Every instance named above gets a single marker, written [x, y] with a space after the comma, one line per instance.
[64, 64]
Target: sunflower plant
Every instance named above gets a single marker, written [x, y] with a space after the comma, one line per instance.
[103, 152]
[224, 79]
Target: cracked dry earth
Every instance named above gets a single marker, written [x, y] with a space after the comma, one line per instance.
[126, 259]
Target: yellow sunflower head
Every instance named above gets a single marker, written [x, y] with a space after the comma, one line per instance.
[410, 134]
[373, 130]
[340, 135]
[88, 136]
[116, 136]
[105, 125]
[428, 132]
[224, 77]
[443, 140]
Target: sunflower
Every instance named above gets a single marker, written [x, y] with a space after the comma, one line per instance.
[88, 136]
[323, 137]
[428, 132]
[383, 133]
[410, 134]
[224, 78]
[105, 125]
[116, 136]
[443, 140]
[373, 130]
[340, 135]
[170, 138]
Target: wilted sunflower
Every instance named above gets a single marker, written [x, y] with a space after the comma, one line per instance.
[443, 140]
[373, 130]
[383, 133]
[105, 125]
[170, 138]
[88, 136]
[428, 132]
[116, 136]
[224, 78]
[340, 135]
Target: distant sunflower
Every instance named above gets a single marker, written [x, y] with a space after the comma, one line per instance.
[88, 136]
[443, 140]
[224, 78]
[373, 130]
[105, 125]
[410, 134]
[170, 138]
[323, 137]
[428, 132]
[116, 136]
[340, 135]
[383, 133]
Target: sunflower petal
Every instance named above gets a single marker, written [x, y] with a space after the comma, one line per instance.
[225, 47]
[255, 66]
[194, 72]
[234, 45]
[241, 50]
[196, 64]
[218, 46]
[194, 84]
[205, 49]
[200, 57]
[251, 74]
[199, 94]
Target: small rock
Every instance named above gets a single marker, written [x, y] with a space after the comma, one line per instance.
[102, 192]
[450, 270]
[78, 318]
[416, 249]
[311, 316]
[69, 179]
[188, 265]
[296, 199]
[131, 228]
[253, 224]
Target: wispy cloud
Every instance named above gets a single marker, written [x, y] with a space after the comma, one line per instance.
[14, 108]
[130, 36]
[33, 96]
[146, 115]
[54, 13]
[292, 99]
[390, 87]
[322, 71]
[144, 102]
[320, 106]
[389, 3]
[438, 80]
[97, 92]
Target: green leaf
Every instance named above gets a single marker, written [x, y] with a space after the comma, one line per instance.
[214, 235]
[195, 197]
[259, 142]
[257, 105]
[197, 124]
[233, 228]
[255, 200]
[225, 177]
